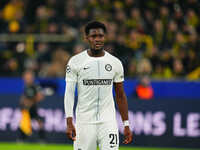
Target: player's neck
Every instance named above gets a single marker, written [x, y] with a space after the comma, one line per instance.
[96, 53]
[28, 83]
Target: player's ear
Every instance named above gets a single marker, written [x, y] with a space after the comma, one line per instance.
[105, 37]
[85, 38]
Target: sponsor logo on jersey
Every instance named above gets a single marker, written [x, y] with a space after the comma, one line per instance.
[97, 82]
[108, 67]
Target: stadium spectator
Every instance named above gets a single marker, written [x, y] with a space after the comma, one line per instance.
[11, 9]
[55, 68]
[136, 28]
[143, 89]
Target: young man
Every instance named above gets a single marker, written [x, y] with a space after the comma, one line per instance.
[95, 71]
[31, 97]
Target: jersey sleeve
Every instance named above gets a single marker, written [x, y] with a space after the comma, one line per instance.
[119, 75]
[71, 80]
[71, 72]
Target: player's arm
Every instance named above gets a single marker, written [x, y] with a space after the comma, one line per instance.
[121, 101]
[69, 105]
[71, 80]
[39, 95]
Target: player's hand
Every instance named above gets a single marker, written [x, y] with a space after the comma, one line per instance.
[71, 132]
[128, 136]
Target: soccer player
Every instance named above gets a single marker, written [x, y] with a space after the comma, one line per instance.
[95, 71]
[31, 97]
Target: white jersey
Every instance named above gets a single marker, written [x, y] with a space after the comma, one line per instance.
[94, 77]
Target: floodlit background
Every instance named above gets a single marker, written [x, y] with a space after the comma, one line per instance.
[157, 41]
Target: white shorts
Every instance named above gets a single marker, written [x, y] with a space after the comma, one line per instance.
[104, 135]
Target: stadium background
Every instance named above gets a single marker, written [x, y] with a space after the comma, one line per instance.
[155, 38]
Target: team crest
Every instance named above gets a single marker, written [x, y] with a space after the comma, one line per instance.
[108, 67]
[68, 69]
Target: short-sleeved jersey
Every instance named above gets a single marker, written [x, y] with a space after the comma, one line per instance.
[94, 77]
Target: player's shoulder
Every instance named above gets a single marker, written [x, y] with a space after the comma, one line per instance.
[113, 58]
[78, 57]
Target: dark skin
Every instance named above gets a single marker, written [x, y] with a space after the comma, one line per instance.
[122, 104]
[96, 39]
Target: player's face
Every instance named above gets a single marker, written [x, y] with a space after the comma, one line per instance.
[96, 38]
[28, 78]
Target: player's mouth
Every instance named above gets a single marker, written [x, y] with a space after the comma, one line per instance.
[98, 45]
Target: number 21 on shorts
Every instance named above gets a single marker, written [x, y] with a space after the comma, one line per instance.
[113, 140]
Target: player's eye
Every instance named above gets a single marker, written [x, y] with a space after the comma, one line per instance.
[93, 36]
[101, 35]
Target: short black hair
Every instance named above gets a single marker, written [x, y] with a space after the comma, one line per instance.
[94, 25]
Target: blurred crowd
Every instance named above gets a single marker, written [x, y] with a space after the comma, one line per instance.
[158, 38]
